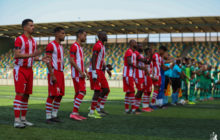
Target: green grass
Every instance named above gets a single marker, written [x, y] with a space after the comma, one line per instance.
[190, 122]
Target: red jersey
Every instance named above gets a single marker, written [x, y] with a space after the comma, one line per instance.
[99, 48]
[55, 50]
[27, 46]
[150, 68]
[157, 62]
[76, 52]
[129, 70]
[138, 72]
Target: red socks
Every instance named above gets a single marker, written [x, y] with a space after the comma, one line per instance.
[77, 102]
[17, 105]
[24, 107]
[154, 97]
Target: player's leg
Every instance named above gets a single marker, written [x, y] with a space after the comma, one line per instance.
[80, 89]
[56, 107]
[157, 85]
[60, 93]
[191, 94]
[175, 91]
[101, 101]
[128, 87]
[161, 92]
[105, 90]
[147, 93]
[127, 103]
[184, 91]
[146, 96]
[49, 108]
[140, 88]
[28, 91]
[52, 92]
[92, 112]
[19, 81]
[197, 88]
[211, 90]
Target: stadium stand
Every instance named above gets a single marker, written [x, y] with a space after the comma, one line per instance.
[201, 51]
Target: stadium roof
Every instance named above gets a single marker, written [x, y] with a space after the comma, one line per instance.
[154, 25]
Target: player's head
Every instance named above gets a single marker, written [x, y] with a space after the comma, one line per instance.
[59, 33]
[162, 50]
[193, 75]
[187, 60]
[166, 55]
[28, 25]
[133, 44]
[102, 36]
[148, 51]
[81, 35]
[199, 64]
[139, 47]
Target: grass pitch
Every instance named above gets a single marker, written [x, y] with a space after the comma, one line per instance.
[189, 122]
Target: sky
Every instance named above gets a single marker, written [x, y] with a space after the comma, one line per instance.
[41, 11]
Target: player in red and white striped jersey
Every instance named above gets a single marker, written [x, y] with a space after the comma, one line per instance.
[157, 64]
[139, 76]
[25, 53]
[130, 63]
[148, 81]
[98, 80]
[78, 72]
[56, 83]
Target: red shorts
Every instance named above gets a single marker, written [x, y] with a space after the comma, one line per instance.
[101, 81]
[148, 84]
[58, 88]
[139, 82]
[23, 80]
[128, 84]
[79, 84]
[158, 82]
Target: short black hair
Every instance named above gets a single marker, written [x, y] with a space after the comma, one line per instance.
[57, 29]
[147, 49]
[80, 31]
[99, 33]
[164, 48]
[25, 22]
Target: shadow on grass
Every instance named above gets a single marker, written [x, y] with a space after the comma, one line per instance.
[119, 123]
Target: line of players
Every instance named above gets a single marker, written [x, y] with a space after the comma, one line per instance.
[144, 71]
[158, 70]
[26, 52]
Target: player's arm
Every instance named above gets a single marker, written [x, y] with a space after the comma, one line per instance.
[184, 75]
[45, 59]
[73, 63]
[18, 54]
[141, 59]
[50, 69]
[109, 68]
[94, 57]
[87, 74]
[49, 52]
[130, 63]
[73, 51]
